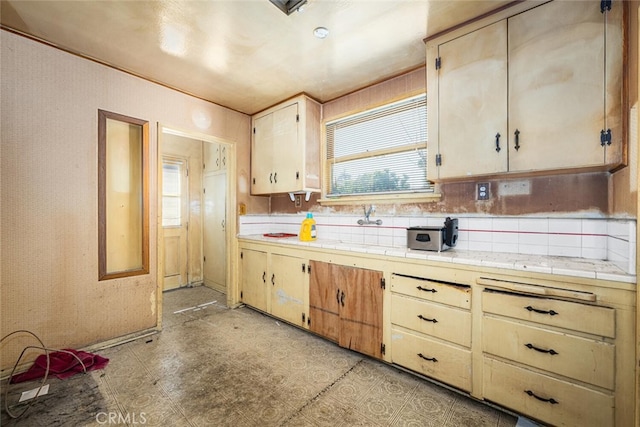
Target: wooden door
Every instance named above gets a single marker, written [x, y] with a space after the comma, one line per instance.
[175, 211]
[262, 155]
[556, 86]
[287, 282]
[254, 289]
[324, 301]
[472, 99]
[214, 236]
[287, 155]
[361, 296]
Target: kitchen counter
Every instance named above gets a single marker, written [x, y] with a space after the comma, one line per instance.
[577, 267]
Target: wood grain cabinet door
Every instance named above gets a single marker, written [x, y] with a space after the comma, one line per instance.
[324, 301]
[360, 309]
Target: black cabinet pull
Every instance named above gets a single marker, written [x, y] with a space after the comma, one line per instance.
[426, 319]
[264, 277]
[342, 299]
[430, 359]
[517, 139]
[533, 347]
[549, 312]
[275, 177]
[271, 178]
[420, 288]
[498, 142]
[273, 279]
[542, 399]
[338, 296]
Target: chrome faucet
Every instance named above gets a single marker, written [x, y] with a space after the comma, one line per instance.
[367, 214]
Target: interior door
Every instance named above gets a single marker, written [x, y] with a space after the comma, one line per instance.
[214, 239]
[175, 202]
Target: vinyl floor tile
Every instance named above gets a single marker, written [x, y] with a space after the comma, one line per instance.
[212, 366]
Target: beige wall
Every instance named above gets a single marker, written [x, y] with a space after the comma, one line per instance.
[48, 205]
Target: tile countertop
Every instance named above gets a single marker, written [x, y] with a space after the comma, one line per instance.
[577, 267]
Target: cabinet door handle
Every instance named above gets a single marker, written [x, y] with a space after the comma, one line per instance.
[338, 296]
[275, 177]
[549, 312]
[498, 142]
[426, 319]
[273, 279]
[542, 399]
[271, 178]
[430, 359]
[342, 298]
[264, 277]
[517, 139]
[420, 288]
[533, 347]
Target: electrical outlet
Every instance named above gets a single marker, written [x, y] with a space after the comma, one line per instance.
[298, 201]
[483, 191]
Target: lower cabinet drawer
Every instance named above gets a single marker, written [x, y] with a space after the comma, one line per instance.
[545, 398]
[448, 323]
[443, 362]
[579, 358]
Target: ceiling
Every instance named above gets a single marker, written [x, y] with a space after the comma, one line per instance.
[246, 54]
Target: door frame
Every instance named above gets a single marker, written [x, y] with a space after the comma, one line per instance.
[232, 220]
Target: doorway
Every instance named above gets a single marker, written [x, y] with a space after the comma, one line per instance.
[175, 221]
[210, 180]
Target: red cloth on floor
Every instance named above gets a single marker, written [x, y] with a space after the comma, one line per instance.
[61, 365]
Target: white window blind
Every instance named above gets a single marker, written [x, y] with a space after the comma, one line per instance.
[379, 151]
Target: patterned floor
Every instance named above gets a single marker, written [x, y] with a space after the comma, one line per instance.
[211, 366]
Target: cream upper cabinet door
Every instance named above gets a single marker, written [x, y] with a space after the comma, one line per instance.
[261, 155]
[556, 86]
[287, 153]
[472, 99]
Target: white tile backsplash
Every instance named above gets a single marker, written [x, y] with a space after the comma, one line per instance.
[590, 238]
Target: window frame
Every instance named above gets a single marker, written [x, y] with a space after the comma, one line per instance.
[428, 194]
[103, 167]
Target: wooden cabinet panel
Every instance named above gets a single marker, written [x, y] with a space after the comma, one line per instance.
[563, 314]
[556, 86]
[345, 306]
[571, 356]
[287, 280]
[435, 359]
[472, 96]
[432, 290]
[436, 320]
[531, 393]
[254, 278]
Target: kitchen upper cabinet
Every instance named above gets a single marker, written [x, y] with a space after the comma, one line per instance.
[215, 156]
[540, 90]
[275, 284]
[285, 148]
[345, 306]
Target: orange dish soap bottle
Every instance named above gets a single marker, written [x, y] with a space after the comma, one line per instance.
[308, 229]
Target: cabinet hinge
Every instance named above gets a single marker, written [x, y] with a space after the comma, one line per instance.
[254, 131]
[303, 318]
[204, 191]
[383, 348]
[297, 175]
[438, 159]
[241, 255]
[241, 295]
[297, 117]
[438, 63]
[383, 283]
[204, 259]
[605, 137]
[605, 5]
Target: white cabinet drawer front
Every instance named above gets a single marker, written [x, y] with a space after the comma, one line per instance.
[530, 393]
[564, 314]
[451, 294]
[447, 323]
[446, 363]
[579, 358]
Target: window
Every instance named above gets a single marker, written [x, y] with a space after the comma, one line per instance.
[379, 151]
[172, 193]
[123, 196]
